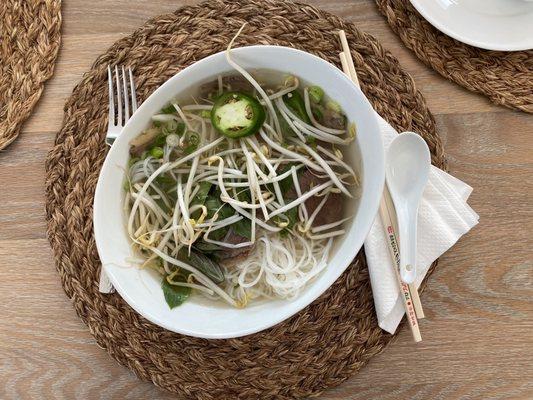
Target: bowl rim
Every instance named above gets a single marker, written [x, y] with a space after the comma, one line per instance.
[371, 207]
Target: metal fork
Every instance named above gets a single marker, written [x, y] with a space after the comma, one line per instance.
[119, 113]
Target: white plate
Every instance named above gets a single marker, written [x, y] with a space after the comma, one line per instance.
[489, 24]
[198, 316]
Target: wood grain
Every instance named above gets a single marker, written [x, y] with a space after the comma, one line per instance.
[478, 334]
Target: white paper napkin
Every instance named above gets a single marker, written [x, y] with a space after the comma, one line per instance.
[443, 217]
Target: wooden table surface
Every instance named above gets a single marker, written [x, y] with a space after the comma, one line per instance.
[478, 335]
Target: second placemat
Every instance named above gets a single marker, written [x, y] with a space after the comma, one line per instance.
[30, 34]
[506, 78]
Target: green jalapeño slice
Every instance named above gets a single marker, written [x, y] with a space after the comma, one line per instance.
[237, 114]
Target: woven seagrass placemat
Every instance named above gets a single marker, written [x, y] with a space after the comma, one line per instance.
[29, 43]
[319, 347]
[506, 78]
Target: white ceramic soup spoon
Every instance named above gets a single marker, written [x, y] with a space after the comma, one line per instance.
[407, 171]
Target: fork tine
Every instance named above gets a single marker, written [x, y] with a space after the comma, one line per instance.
[119, 98]
[126, 96]
[133, 92]
[111, 97]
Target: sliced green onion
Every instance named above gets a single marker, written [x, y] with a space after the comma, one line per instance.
[160, 140]
[180, 130]
[316, 94]
[172, 140]
[352, 130]
[156, 152]
[334, 106]
[192, 140]
[169, 127]
[133, 160]
[168, 109]
[317, 113]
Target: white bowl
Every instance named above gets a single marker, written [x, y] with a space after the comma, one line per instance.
[199, 317]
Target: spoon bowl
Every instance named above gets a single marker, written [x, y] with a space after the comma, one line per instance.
[407, 172]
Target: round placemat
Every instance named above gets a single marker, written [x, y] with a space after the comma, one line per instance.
[506, 78]
[29, 43]
[321, 346]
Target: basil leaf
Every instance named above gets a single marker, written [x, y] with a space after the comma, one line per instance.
[204, 264]
[200, 198]
[162, 205]
[292, 217]
[295, 102]
[286, 129]
[206, 247]
[219, 234]
[213, 203]
[174, 295]
[243, 228]
[165, 182]
[244, 196]
[202, 193]
[286, 183]
[310, 140]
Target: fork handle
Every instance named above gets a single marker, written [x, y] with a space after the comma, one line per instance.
[105, 285]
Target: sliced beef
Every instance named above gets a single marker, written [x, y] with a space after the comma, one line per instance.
[231, 82]
[334, 120]
[238, 83]
[331, 211]
[142, 142]
[329, 118]
[233, 238]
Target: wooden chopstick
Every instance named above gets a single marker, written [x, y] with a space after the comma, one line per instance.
[410, 296]
[408, 301]
[393, 223]
[348, 65]
[349, 59]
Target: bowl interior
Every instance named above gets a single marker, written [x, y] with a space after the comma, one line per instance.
[201, 317]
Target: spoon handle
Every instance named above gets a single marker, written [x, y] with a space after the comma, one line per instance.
[408, 244]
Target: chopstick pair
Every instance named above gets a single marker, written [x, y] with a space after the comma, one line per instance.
[411, 300]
